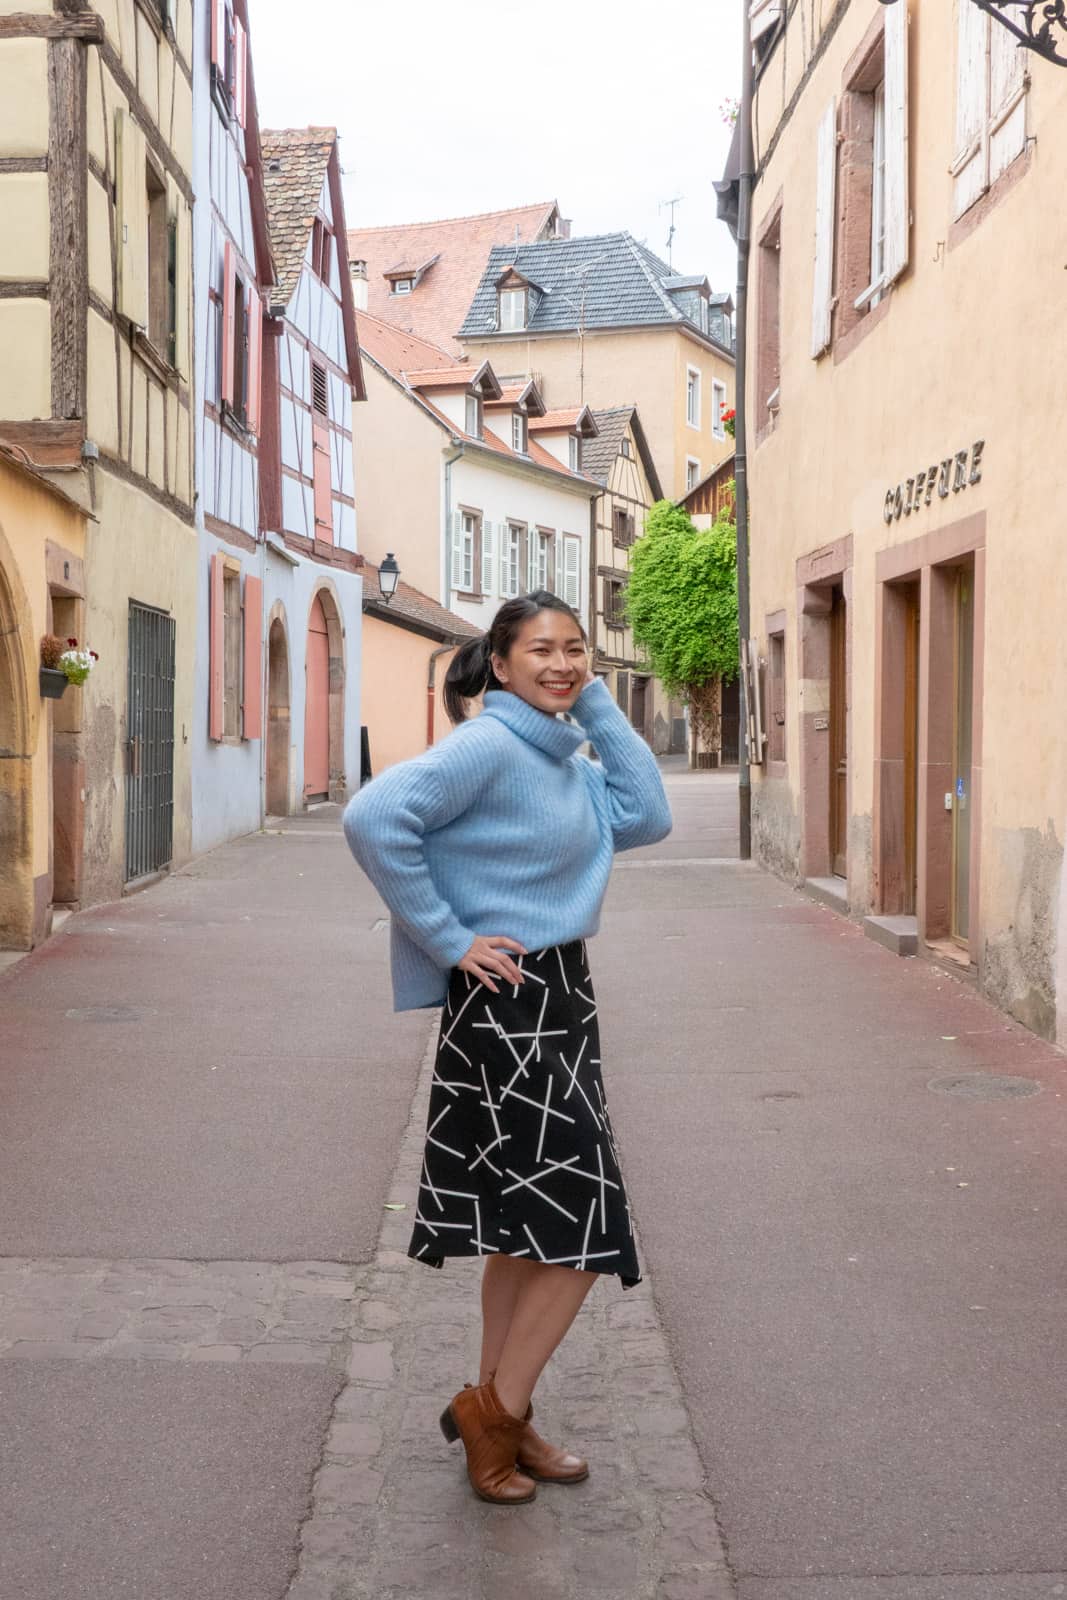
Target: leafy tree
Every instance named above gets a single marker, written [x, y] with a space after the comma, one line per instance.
[681, 601]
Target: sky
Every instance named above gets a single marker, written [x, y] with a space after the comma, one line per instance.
[610, 107]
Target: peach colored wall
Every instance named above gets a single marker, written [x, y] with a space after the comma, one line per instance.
[395, 670]
[959, 352]
[398, 470]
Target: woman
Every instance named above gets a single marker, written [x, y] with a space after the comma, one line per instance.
[493, 851]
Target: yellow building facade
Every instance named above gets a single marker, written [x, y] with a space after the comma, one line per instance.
[905, 405]
[95, 386]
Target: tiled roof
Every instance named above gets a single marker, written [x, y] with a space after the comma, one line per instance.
[294, 166]
[436, 307]
[606, 281]
[398, 351]
[417, 607]
[456, 376]
[598, 455]
[559, 421]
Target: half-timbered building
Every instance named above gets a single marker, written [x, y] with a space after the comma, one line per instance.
[96, 388]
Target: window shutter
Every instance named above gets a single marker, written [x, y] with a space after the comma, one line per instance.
[132, 218]
[487, 556]
[183, 284]
[254, 324]
[229, 310]
[550, 562]
[240, 70]
[252, 706]
[218, 38]
[823, 298]
[1007, 102]
[320, 390]
[572, 587]
[969, 166]
[897, 219]
[320, 450]
[455, 553]
[216, 646]
[505, 558]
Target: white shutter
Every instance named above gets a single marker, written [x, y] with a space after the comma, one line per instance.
[131, 215]
[897, 219]
[572, 584]
[969, 165]
[487, 556]
[823, 301]
[1007, 101]
[504, 541]
[455, 565]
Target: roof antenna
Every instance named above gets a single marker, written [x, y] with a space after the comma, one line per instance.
[671, 232]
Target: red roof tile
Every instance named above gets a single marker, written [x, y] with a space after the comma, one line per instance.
[396, 350]
[437, 306]
[418, 607]
[294, 166]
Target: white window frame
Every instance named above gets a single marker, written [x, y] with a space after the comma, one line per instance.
[625, 447]
[475, 401]
[691, 478]
[539, 542]
[403, 285]
[876, 288]
[511, 316]
[992, 120]
[718, 406]
[692, 393]
[574, 452]
[468, 539]
[511, 560]
[519, 433]
[572, 581]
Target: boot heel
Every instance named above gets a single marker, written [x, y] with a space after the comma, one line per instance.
[448, 1425]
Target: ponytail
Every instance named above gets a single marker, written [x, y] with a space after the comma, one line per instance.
[468, 674]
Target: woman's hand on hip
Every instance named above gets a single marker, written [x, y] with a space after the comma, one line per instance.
[487, 958]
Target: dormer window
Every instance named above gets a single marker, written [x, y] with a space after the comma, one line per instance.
[518, 432]
[626, 448]
[512, 310]
[574, 453]
[473, 416]
[403, 285]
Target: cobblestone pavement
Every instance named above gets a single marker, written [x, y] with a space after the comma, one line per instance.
[392, 1514]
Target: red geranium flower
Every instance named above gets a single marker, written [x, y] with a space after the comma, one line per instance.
[73, 643]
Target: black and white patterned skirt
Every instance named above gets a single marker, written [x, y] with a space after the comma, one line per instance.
[520, 1156]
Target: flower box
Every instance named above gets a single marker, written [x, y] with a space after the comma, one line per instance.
[53, 683]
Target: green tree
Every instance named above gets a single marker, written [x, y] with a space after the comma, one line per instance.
[681, 601]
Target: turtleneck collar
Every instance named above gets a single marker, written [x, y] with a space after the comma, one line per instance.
[548, 733]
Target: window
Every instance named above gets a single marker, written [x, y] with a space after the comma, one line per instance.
[703, 315]
[229, 61]
[473, 416]
[776, 697]
[321, 250]
[518, 432]
[767, 323]
[572, 571]
[623, 526]
[622, 693]
[511, 559]
[574, 453]
[231, 669]
[512, 309]
[322, 475]
[464, 551]
[692, 397]
[990, 106]
[614, 603]
[718, 406]
[242, 345]
[625, 448]
[692, 473]
[403, 285]
[160, 327]
[540, 573]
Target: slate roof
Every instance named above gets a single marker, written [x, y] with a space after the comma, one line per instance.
[598, 455]
[415, 607]
[451, 254]
[623, 282]
[294, 166]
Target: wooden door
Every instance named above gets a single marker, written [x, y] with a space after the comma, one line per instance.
[838, 739]
[911, 745]
[317, 708]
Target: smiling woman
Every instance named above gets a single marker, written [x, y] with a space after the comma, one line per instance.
[493, 852]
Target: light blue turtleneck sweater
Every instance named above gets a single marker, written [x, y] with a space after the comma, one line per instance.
[503, 829]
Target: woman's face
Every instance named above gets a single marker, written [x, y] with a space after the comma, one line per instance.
[547, 664]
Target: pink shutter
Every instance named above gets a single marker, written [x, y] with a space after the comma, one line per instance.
[216, 649]
[254, 324]
[229, 297]
[323, 489]
[253, 684]
[218, 37]
[240, 70]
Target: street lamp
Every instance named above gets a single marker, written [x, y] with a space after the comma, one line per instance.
[388, 577]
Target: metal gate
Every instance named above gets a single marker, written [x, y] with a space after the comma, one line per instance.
[150, 741]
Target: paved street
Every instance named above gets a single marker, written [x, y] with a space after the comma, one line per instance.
[842, 1378]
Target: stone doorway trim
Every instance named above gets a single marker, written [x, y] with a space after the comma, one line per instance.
[279, 725]
[818, 573]
[325, 593]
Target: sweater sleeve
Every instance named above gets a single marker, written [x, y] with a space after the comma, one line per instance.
[385, 825]
[637, 802]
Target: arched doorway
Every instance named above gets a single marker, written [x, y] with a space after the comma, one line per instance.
[324, 702]
[16, 768]
[317, 706]
[277, 720]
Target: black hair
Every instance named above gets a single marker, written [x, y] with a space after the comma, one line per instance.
[471, 668]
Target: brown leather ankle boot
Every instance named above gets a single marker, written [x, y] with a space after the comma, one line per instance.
[491, 1439]
[545, 1462]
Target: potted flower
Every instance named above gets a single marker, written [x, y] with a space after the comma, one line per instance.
[728, 420]
[62, 664]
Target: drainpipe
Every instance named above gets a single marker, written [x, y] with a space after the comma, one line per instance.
[456, 452]
[431, 686]
[744, 208]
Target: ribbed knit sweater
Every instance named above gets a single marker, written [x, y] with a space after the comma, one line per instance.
[503, 829]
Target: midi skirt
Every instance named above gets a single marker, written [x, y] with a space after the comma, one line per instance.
[520, 1155]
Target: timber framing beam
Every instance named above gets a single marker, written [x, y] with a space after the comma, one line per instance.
[60, 25]
[68, 232]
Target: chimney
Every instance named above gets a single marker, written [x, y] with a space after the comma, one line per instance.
[563, 227]
[360, 287]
